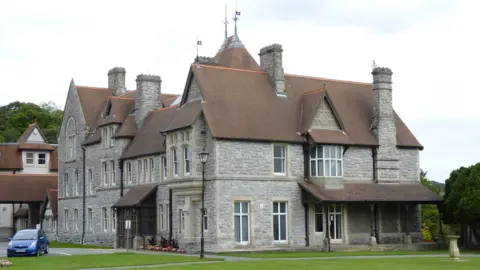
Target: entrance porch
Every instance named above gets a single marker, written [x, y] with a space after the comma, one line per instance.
[366, 213]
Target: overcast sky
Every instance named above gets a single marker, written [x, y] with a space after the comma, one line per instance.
[431, 46]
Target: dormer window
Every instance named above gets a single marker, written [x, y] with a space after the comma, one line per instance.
[326, 161]
[29, 159]
[42, 159]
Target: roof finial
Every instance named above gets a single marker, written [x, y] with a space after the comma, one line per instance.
[235, 18]
[199, 43]
[374, 65]
[226, 22]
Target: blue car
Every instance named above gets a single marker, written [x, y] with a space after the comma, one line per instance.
[28, 242]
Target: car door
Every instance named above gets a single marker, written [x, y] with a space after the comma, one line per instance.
[42, 240]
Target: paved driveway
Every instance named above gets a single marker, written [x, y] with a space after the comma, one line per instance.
[62, 251]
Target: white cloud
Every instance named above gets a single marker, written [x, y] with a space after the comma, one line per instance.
[431, 47]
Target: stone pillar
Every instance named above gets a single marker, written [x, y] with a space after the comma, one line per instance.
[383, 126]
[373, 239]
[116, 81]
[408, 237]
[148, 96]
[453, 251]
[271, 62]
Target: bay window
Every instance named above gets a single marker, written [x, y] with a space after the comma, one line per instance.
[326, 160]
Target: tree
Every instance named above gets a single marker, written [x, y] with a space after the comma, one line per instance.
[16, 116]
[430, 214]
[462, 199]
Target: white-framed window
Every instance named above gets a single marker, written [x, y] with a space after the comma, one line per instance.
[140, 171]
[187, 135]
[335, 221]
[152, 172]
[175, 162]
[112, 173]
[146, 172]
[105, 173]
[205, 220]
[162, 217]
[110, 136]
[90, 219]
[105, 219]
[76, 184]
[70, 139]
[182, 221]
[114, 219]
[186, 160]
[66, 185]
[42, 159]
[279, 159]
[90, 181]
[75, 219]
[164, 167]
[30, 158]
[129, 173]
[167, 217]
[65, 221]
[319, 217]
[280, 227]
[242, 222]
[326, 160]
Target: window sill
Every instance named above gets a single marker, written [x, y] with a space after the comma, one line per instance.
[70, 161]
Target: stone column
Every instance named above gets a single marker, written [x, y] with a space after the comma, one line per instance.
[373, 239]
[408, 238]
[453, 251]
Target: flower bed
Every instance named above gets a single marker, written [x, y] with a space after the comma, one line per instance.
[159, 248]
[5, 263]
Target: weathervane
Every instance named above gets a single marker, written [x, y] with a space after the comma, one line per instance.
[374, 65]
[235, 18]
[226, 22]
[197, 60]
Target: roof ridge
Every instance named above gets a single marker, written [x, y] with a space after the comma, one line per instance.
[326, 79]
[232, 69]
[120, 97]
[313, 92]
[93, 87]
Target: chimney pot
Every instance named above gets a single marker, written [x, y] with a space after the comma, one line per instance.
[116, 81]
[148, 96]
[271, 62]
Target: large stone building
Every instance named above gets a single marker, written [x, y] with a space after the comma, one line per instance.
[28, 168]
[293, 159]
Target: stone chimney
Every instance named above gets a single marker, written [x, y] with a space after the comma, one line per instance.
[148, 96]
[384, 127]
[116, 81]
[271, 62]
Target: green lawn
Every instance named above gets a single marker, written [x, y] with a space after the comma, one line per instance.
[308, 254]
[55, 244]
[337, 264]
[93, 261]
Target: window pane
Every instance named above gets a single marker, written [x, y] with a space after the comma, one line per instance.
[275, 207]
[339, 152]
[278, 165]
[283, 207]
[333, 168]
[338, 226]
[327, 167]
[313, 168]
[318, 208]
[283, 227]
[275, 228]
[339, 168]
[320, 168]
[244, 207]
[277, 151]
[313, 152]
[331, 208]
[320, 151]
[318, 222]
[244, 228]
[237, 228]
[237, 207]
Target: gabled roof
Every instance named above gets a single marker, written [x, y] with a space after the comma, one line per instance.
[310, 102]
[136, 195]
[51, 196]
[233, 54]
[10, 157]
[26, 134]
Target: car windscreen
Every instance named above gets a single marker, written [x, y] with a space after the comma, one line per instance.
[25, 235]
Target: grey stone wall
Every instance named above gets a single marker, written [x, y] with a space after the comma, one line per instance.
[359, 221]
[324, 117]
[194, 92]
[148, 96]
[358, 164]
[409, 161]
[271, 62]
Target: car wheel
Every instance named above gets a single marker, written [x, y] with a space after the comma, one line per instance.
[47, 249]
[37, 252]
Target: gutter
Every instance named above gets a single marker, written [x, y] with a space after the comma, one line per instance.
[121, 177]
[83, 199]
[170, 221]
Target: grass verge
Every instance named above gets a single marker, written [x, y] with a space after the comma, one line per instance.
[96, 261]
[470, 263]
[311, 254]
[55, 244]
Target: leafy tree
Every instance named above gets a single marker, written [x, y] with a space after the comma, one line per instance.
[462, 198]
[430, 214]
[16, 116]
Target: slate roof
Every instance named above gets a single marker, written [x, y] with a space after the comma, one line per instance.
[24, 188]
[136, 195]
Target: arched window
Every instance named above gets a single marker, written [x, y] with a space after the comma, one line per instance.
[70, 139]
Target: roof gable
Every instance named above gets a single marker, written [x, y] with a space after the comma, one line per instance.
[233, 54]
[32, 134]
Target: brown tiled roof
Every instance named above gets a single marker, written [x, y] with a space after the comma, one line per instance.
[241, 104]
[136, 195]
[21, 212]
[120, 108]
[308, 108]
[36, 146]
[330, 136]
[148, 139]
[53, 164]
[128, 129]
[92, 100]
[185, 116]
[51, 195]
[234, 55]
[371, 192]
[10, 157]
[24, 188]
